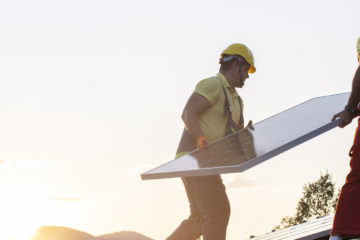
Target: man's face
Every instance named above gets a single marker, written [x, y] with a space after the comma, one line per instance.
[243, 74]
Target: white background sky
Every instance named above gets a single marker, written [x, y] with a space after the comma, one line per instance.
[91, 94]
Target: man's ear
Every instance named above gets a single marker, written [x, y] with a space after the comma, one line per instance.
[235, 65]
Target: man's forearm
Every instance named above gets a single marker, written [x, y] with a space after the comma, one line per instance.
[354, 98]
[192, 124]
[196, 105]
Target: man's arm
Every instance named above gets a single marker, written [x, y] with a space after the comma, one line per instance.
[354, 99]
[195, 106]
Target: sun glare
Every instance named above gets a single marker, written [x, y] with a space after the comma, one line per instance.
[22, 212]
[16, 223]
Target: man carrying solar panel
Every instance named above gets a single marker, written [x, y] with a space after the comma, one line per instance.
[213, 110]
[347, 216]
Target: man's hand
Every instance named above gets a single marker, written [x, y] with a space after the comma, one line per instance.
[250, 126]
[201, 142]
[345, 118]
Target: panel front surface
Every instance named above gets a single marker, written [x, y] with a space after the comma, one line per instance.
[249, 147]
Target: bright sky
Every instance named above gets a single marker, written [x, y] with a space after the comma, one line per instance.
[91, 94]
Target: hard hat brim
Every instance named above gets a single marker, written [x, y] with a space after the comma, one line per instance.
[252, 69]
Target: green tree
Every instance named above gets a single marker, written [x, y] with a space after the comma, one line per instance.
[318, 200]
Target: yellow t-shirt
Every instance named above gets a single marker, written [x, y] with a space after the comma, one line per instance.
[213, 121]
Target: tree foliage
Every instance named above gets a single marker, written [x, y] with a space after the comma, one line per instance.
[318, 200]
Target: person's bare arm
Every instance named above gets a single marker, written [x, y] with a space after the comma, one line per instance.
[195, 106]
[354, 99]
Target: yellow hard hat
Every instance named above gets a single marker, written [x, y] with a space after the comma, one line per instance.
[358, 45]
[243, 51]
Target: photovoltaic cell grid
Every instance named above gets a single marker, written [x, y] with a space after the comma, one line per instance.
[249, 147]
[311, 230]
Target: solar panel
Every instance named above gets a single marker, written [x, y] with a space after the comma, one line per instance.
[247, 148]
[314, 229]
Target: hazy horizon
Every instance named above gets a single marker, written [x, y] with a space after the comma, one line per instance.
[60, 233]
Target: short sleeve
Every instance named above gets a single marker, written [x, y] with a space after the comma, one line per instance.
[209, 88]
